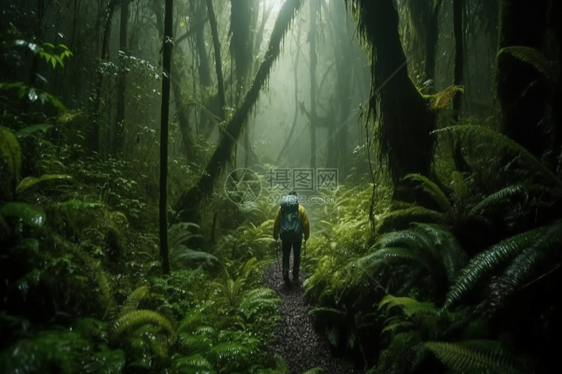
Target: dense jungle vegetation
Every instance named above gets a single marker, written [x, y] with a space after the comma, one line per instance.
[126, 127]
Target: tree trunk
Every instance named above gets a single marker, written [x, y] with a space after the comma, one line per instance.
[296, 82]
[188, 204]
[405, 121]
[119, 126]
[313, 62]
[459, 54]
[163, 205]
[431, 42]
[94, 135]
[218, 61]
[204, 69]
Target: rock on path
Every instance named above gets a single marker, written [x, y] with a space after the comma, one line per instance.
[295, 339]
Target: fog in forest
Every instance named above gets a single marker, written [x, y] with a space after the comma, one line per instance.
[280, 186]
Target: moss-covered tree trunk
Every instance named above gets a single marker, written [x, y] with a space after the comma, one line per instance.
[405, 119]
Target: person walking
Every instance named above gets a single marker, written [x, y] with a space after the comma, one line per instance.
[290, 225]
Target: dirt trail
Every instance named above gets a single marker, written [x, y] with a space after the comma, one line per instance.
[295, 339]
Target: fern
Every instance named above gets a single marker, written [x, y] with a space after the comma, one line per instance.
[193, 318]
[393, 327]
[434, 191]
[194, 363]
[485, 355]
[533, 57]
[401, 219]
[140, 317]
[228, 355]
[504, 195]
[179, 233]
[316, 370]
[193, 344]
[507, 143]
[105, 362]
[542, 238]
[318, 310]
[452, 256]
[106, 293]
[257, 299]
[379, 257]
[48, 351]
[133, 300]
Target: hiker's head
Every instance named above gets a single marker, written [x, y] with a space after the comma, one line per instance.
[294, 193]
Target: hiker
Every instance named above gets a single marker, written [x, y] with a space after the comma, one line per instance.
[290, 224]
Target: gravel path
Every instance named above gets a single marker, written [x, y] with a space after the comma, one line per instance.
[295, 339]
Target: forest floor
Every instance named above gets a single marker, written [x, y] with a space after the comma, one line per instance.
[296, 339]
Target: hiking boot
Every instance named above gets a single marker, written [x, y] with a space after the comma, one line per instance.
[296, 278]
[286, 276]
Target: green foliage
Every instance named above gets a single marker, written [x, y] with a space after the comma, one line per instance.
[259, 300]
[533, 57]
[509, 145]
[433, 190]
[48, 52]
[47, 351]
[482, 356]
[24, 213]
[139, 318]
[10, 152]
[33, 94]
[522, 252]
[32, 181]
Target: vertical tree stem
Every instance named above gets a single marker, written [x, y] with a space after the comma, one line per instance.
[167, 62]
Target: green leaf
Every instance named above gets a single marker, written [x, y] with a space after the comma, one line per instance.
[26, 213]
[10, 151]
[31, 129]
[31, 181]
[59, 60]
[48, 45]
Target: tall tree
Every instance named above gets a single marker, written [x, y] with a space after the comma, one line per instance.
[164, 118]
[313, 63]
[459, 53]
[188, 204]
[404, 120]
[218, 60]
[119, 125]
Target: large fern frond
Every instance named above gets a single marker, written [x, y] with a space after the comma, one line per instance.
[506, 194]
[373, 261]
[192, 364]
[257, 299]
[140, 317]
[193, 344]
[533, 57]
[133, 300]
[434, 191]
[487, 355]
[523, 266]
[401, 219]
[451, 253]
[506, 250]
[507, 143]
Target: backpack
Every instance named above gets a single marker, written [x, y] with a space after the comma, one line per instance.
[291, 226]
